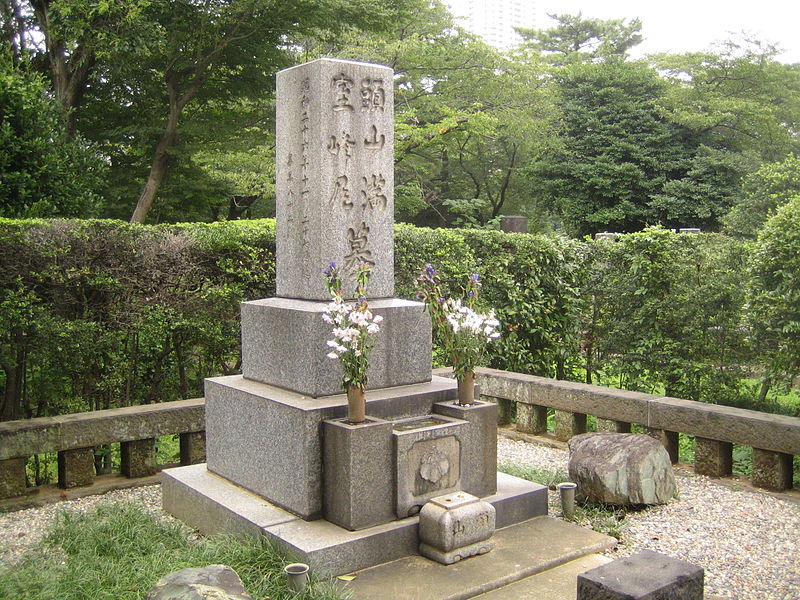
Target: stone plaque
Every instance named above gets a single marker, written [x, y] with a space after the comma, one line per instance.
[335, 176]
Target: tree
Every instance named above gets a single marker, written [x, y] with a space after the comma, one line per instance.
[466, 119]
[42, 172]
[578, 39]
[616, 151]
[763, 192]
[774, 294]
[740, 98]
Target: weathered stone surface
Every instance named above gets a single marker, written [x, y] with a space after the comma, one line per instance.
[611, 426]
[12, 477]
[531, 418]
[245, 418]
[772, 470]
[138, 458]
[712, 457]
[358, 482]
[427, 460]
[646, 575]
[455, 526]
[335, 176]
[214, 582]
[193, 447]
[478, 445]
[569, 424]
[75, 467]
[620, 468]
[284, 343]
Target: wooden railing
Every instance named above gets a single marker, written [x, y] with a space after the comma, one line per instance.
[775, 439]
[74, 437]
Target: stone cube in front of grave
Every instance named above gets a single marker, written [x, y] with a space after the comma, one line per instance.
[335, 176]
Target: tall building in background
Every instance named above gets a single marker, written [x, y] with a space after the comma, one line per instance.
[494, 20]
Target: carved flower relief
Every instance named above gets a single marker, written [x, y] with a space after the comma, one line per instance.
[434, 465]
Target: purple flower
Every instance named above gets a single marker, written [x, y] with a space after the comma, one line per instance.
[430, 270]
[330, 269]
[475, 278]
[471, 293]
[420, 295]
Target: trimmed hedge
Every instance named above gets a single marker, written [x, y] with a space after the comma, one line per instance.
[98, 314]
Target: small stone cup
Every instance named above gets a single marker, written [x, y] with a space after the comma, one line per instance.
[296, 576]
[567, 492]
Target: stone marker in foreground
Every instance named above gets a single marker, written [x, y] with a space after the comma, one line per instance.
[646, 575]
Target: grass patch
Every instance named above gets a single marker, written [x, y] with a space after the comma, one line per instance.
[603, 518]
[119, 551]
[547, 477]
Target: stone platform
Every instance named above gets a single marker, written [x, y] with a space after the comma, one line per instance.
[214, 505]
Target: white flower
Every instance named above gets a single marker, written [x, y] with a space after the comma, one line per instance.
[332, 355]
[377, 319]
[373, 328]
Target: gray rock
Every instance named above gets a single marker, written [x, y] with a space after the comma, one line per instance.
[620, 468]
[214, 582]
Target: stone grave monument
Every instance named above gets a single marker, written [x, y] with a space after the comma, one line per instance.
[281, 459]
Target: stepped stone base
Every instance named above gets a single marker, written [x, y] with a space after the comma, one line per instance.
[284, 344]
[213, 505]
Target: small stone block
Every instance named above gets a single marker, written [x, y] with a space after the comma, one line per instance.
[455, 526]
[531, 418]
[193, 448]
[357, 466]
[503, 410]
[610, 426]
[75, 468]
[138, 458]
[569, 425]
[712, 457]
[771, 470]
[12, 477]
[646, 575]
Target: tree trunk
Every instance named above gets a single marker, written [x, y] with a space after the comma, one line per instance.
[158, 168]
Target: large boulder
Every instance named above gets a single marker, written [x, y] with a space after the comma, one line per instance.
[620, 468]
[214, 582]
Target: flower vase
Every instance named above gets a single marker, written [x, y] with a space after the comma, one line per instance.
[466, 388]
[356, 404]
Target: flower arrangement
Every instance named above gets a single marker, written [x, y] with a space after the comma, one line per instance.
[464, 332]
[354, 329]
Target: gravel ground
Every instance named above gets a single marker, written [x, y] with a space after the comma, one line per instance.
[747, 541]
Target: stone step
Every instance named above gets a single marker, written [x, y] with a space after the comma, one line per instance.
[521, 551]
[558, 583]
[214, 505]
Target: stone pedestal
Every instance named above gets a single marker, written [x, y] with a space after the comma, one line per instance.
[643, 576]
[193, 447]
[610, 426]
[455, 526]
[12, 477]
[268, 440]
[569, 424]
[284, 345]
[358, 483]
[75, 467]
[712, 457]
[668, 438]
[772, 470]
[138, 458]
[531, 418]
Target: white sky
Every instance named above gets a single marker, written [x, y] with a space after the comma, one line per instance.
[687, 26]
